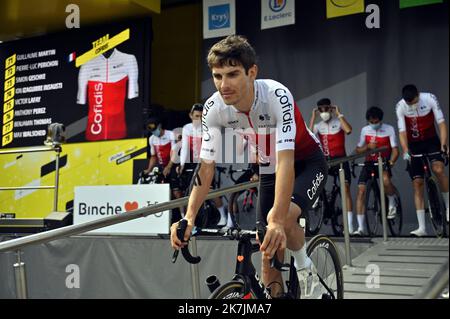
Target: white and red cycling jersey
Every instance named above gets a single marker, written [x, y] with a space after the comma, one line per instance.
[384, 136]
[418, 120]
[273, 124]
[332, 137]
[162, 146]
[103, 82]
[191, 144]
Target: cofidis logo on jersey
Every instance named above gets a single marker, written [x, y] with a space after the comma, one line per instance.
[277, 5]
[219, 17]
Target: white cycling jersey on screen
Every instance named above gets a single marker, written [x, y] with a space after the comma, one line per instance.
[103, 82]
[384, 136]
[191, 145]
[162, 146]
[273, 124]
[418, 120]
[332, 137]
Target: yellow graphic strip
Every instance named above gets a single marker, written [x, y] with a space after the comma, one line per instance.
[10, 83]
[101, 46]
[8, 106]
[10, 61]
[7, 139]
[10, 72]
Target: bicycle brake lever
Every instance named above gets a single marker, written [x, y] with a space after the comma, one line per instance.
[181, 229]
[274, 262]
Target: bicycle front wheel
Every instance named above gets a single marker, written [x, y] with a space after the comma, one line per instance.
[337, 219]
[395, 224]
[373, 208]
[325, 257]
[435, 206]
[232, 290]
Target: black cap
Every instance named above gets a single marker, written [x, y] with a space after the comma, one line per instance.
[197, 107]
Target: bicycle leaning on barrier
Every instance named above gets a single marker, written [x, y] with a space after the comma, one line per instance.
[246, 284]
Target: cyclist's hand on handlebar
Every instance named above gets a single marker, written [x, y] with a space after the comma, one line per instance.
[274, 240]
[254, 178]
[407, 156]
[444, 149]
[175, 241]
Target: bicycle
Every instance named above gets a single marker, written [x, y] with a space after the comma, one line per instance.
[373, 216]
[328, 207]
[246, 284]
[243, 201]
[436, 207]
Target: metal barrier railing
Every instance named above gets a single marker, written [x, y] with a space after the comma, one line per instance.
[19, 243]
[55, 148]
[434, 288]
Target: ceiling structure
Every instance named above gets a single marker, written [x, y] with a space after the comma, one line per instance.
[25, 18]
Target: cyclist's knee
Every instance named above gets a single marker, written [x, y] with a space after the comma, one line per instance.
[418, 184]
[438, 168]
[361, 191]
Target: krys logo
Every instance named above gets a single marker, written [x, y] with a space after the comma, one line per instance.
[277, 5]
[219, 17]
[344, 3]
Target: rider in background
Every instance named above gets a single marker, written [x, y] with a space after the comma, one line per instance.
[376, 135]
[416, 115]
[162, 144]
[331, 132]
[293, 169]
[190, 155]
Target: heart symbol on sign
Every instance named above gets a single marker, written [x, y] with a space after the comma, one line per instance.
[131, 206]
[240, 258]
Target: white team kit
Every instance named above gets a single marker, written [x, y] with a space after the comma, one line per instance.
[103, 82]
[384, 136]
[332, 137]
[191, 144]
[161, 147]
[273, 124]
[418, 121]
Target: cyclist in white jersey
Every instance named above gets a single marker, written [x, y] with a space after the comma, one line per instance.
[293, 168]
[417, 114]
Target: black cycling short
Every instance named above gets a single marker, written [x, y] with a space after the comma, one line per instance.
[366, 172]
[172, 179]
[334, 171]
[415, 168]
[310, 178]
[188, 174]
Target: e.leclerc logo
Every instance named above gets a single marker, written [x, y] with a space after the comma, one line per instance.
[277, 5]
[219, 17]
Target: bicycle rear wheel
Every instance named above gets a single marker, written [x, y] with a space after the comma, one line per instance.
[373, 208]
[231, 290]
[438, 219]
[325, 257]
[337, 219]
[314, 216]
[395, 224]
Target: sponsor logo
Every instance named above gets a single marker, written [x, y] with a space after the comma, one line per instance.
[287, 110]
[277, 5]
[219, 17]
[118, 66]
[316, 184]
[343, 3]
[96, 127]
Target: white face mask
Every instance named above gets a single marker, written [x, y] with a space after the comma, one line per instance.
[325, 116]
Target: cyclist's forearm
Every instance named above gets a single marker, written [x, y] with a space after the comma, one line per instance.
[404, 142]
[395, 154]
[284, 186]
[152, 163]
[443, 134]
[199, 192]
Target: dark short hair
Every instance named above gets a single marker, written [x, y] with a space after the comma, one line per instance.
[153, 123]
[197, 107]
[324, 102]
[234, 50]
[374, 113]
[409, 92]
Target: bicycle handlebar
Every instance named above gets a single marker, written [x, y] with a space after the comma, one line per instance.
[231, 233]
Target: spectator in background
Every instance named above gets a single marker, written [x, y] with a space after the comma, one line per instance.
[331, 131]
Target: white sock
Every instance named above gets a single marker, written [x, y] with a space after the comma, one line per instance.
[445, 195]
[391, 199]
[229, 221]
[421, 219]
[350, 221]
[361, 222]
[301, 259]
[223, 215]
